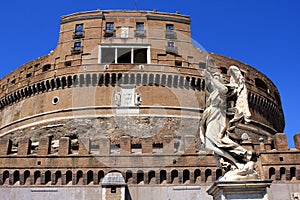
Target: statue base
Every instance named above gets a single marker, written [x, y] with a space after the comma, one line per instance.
[238, 190]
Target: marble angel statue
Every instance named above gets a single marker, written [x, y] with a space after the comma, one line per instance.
[215, 124]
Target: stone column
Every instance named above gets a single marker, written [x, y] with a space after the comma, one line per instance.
[125, 145]
[5, 147]
[280, 142]
[64, 146]
[24, 147]
[104, 146]
[297, 141]
[45, 146]
[147, 145]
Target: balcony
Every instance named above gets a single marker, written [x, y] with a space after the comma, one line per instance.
[109, 33]
[172, 50]
[171, 35]
[77, 50]
[78, 34]
[140, 33]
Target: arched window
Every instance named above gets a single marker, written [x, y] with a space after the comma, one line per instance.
[107, 79]
[174, 176]
[169, 81]
[126, 79]
[90, 177]
[157, 80]
[208, 176]
[48, 178]
[151, 177]
[101, 80]
[120, 79]
[186, 176]
[138, 79]
[81, 80]
[16, 177]
[37, 178]
[197, 176]
[69, 178]
[181, 81]
[163, 176]
[145, 79]
[140, 177]
[58, 178]
[282, 174]
[63, 82]
[151, 79]
[94, 79]
[175, 81]
[128, 178]
[272, 173]
[132, 79]
[5, 178]
[69, 82]
[58, 83]
[79, 178]
[113, 79]
[293, 173]
[27, 177]
[100, 176]
[88, 80]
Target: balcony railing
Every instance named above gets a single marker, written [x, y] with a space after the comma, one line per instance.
[173, 50]
[171, 35]
[140, 33]
[77, 50]
[109, 33]
[78, 34]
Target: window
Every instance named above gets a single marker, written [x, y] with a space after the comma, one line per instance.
[170, 33]
[109, 29]
[46, 68]
[78, 31]
[140, 30]
[78, 28]
[170, 28]
[108, 55]
[77, 48]
[171, 48]
[124, 54]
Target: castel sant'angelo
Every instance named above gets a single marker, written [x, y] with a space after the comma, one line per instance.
[114, 113]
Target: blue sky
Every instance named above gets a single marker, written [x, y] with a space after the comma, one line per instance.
[262, 33]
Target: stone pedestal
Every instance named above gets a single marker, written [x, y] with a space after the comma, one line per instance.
[238, 190]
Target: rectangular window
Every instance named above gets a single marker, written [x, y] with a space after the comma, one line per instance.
[108, 55]
[78, 31]
[170, 33]
[170, 28]
[77, 45]
[109, 27]
[78, 28]
[77, 48]
[140, 55]
[124, 55]
[140, 26]
[140, 29]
